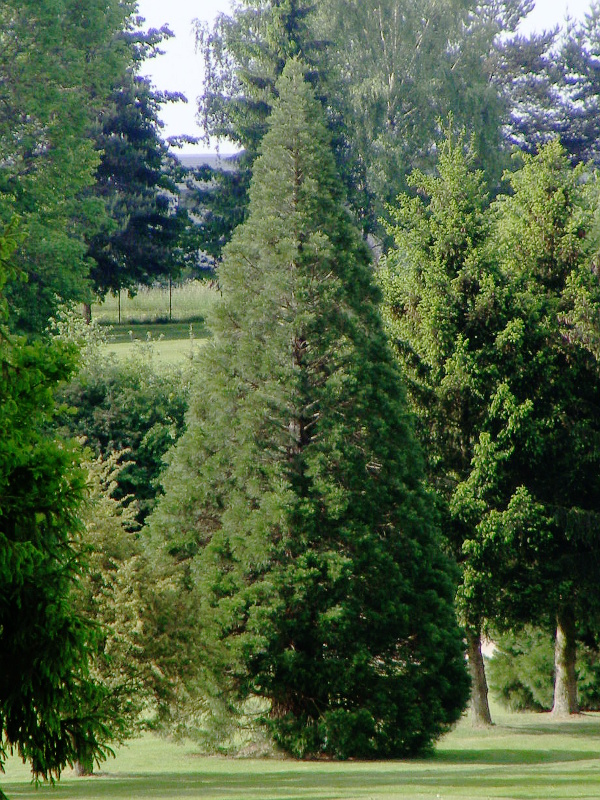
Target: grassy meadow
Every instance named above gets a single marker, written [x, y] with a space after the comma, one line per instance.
[524, 756]
[175, 328]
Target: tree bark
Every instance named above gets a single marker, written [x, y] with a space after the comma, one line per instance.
[565, 657]
[480, 708]
[87, 312]
[82, 769]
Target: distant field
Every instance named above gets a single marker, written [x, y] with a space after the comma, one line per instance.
[145, 321]
[189, 302]
[524, 757]
[161, 351]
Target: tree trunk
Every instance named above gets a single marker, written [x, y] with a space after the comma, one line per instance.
[480, 708]
[82, 769]
[565, 656]
[87, 312]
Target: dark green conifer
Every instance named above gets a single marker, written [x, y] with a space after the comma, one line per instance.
[295, 499]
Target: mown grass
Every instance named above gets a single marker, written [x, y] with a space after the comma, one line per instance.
[524, 757]
[145, 322]
[160, 352]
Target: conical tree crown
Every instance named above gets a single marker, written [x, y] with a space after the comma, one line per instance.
[297, 489]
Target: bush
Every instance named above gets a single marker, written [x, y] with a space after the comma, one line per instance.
[128, 406]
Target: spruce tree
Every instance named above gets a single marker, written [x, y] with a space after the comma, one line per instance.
[295, 500]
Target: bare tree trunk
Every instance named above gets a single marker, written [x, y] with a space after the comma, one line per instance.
[565, 657]
[87, 312]
[480, 708]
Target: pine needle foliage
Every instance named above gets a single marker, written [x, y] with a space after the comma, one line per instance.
[295, 500]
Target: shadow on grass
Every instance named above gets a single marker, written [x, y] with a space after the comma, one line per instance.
[577, 727]
[497, 757]
[293, 785]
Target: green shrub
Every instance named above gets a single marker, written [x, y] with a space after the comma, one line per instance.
[128, 406]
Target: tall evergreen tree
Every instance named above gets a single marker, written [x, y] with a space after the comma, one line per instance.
[295, 499]
[148, 234]
[244, 54]
[580, 56]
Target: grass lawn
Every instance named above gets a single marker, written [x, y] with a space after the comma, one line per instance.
[162, 351]
[523, 756]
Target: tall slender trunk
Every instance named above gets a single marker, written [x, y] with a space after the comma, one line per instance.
[565, 657]
[87, 312]
[480, 707]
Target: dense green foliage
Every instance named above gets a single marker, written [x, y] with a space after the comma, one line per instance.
[521, 672]
[494, 316]
[130, 408]
[443, 305]
[148, 234]
[386, 72]
[50, 709]
[535, 475]
[295, 500]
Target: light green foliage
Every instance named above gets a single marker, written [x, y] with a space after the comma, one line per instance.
[131, 406]
[294, 501]
[443, 303]
[401, 67]
[58, 61]
[112, 594]
[386, 71]
[533, 490]
[521, 671]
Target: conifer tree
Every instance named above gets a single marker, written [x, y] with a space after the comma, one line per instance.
[295, 499]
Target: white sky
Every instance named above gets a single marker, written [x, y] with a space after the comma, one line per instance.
[180, 69]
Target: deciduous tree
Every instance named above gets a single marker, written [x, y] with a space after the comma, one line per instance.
[533, 489]
[443, 307]
[58, 63]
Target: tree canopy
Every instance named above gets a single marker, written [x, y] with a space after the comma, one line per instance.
[532, 494]
[58, 63]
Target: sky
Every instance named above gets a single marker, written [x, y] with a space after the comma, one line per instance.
[180, 68]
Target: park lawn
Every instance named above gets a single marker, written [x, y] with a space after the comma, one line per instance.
[524, 756]
[161, 352]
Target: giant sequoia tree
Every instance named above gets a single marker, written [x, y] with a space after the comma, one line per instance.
[295, 499]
